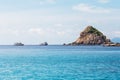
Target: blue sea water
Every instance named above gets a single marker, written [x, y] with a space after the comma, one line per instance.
[59, 63]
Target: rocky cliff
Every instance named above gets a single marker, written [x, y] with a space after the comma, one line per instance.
[91, 36]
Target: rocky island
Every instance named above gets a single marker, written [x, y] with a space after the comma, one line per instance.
[92, 36]
[44, 44]
[18, 44]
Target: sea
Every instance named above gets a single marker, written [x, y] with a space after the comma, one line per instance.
[56, 62]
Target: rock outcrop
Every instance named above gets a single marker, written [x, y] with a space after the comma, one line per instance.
[91, 36]
[18, 44]
[112, 44]
[44, 44]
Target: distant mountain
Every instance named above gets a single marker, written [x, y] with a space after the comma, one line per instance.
[91, 36]
[117, 39]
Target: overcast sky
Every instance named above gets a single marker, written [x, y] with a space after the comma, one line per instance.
[56, 21]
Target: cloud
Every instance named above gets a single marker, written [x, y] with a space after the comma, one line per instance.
[37, 31]
[117, 32]
[42, 2]
[90, 9]
[61, 33]
[103, 1]
[8, 31]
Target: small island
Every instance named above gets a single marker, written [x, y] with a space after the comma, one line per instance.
[92, 36]
[18, 44]
[44, 44]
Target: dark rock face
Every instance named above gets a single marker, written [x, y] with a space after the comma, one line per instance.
[91, 36]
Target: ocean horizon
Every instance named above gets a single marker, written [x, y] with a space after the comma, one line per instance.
[59, 63]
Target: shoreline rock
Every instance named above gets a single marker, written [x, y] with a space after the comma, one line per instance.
[111, 44]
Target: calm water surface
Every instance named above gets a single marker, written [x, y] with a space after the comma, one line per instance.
[59, 63]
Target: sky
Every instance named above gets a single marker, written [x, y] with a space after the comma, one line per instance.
[56, 21]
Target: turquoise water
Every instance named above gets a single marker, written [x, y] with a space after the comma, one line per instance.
[59, 63]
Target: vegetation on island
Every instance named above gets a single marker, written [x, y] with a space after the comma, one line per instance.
[92, 30]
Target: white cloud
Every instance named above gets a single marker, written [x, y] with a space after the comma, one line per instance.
[37, 31]
[46, 31]
[90, 9]
[61, 33]
[42, 2]
[6, 31]
[117, 32]
[103, 1]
